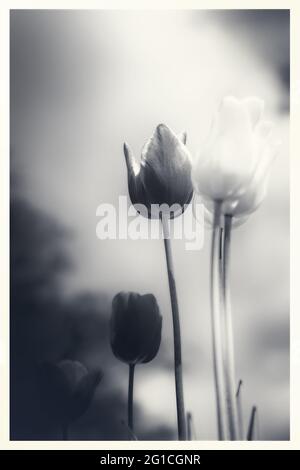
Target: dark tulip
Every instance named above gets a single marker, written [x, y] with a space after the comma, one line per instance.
[163, 175]
[136, 324]
[67, 389]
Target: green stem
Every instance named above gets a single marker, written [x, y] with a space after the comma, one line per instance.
[181, 418]
[216, 323]
[228, 343]
[130, 396]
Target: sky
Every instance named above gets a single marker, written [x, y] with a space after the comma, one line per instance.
[82, 83]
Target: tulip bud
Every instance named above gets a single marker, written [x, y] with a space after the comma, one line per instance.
[163, 175]
[135, 328]
[67, 389]
[234, 165]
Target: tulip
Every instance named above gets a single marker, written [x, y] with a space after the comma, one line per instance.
[135, 327]
[233, 166]
[229, 156]
[236, 210]
[241, 208]
[161, 184]
[163, 176]
[231, 175]
[135, 334]
[67, 389]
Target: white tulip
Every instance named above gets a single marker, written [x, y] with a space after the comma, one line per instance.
[234, 165]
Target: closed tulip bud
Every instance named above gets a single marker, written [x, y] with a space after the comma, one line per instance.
[163, 175]
[136, 325]
[67, 389]
[234, 165]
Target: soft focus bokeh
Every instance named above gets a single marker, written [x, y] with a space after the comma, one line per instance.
[82, 82]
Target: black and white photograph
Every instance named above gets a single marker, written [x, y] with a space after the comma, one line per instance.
[149, 225]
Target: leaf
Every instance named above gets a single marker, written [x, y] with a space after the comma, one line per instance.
[252, 422]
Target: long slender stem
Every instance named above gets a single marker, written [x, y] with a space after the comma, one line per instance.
[251, 428]
[130, 396]
[181, 417]
[216, 324]
[228, 343]
[240, 410]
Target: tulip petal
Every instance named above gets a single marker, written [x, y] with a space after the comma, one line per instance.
[239, 221]
[264, 129]
[135, 327]
[72, 371]
[84, 393]
[133, 167]
[163, 177]
[54, 391]
[166, 168]
[255, 107]
[232, 117]
[231, 155]
[257, 188]
[125, 337]
[67, 388]
[136, 188]
[235, 163]
[150, 327]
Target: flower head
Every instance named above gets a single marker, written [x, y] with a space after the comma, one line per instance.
[136, 324]
[67, 388]
[163, 175]
[234, 165]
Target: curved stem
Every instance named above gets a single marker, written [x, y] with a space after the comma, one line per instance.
[130, 396]
[216, 323]
[181, 418]
[229, 366]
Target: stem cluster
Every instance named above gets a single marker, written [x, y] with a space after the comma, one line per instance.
[222, 329]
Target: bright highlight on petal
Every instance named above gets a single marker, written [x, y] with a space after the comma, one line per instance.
[164, 173]
[234, 164]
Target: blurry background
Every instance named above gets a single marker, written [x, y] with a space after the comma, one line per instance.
[82, 82]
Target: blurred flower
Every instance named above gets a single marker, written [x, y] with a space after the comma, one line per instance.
[234, 164]
[164, 174]
[135, 327]
[67, 389]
